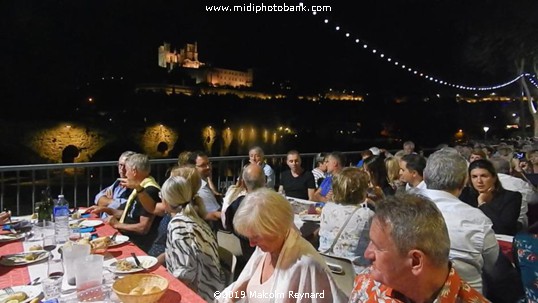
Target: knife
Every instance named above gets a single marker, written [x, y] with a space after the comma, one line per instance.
[136, 260]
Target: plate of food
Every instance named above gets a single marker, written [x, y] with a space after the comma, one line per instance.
[11, 237]
[119, 240]
[21, 294]
[310, 217]
[128, 265]
[24, 258]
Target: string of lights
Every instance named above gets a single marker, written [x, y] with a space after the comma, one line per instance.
[416, 71]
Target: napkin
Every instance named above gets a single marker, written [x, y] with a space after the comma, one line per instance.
[86, 229]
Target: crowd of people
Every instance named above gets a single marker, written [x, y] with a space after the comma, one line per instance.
[415, 229]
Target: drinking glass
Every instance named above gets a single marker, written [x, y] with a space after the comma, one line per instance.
[52, 284]
[55, 268]
[49, 243]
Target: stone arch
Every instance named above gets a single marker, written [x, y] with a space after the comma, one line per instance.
[69, 153]
[162, 147]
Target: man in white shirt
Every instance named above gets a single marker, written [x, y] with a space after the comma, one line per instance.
[473, 246]
[257, 156]
[528, 194]
[411, 170]
[201, 161]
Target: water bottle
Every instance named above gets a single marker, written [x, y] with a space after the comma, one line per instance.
[61, 219]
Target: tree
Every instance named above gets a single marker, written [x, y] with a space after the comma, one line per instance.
[502, 40]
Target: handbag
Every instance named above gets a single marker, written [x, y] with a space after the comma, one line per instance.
[330, 250]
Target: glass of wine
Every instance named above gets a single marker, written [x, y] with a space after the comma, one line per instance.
[49, 243]
[52, 285]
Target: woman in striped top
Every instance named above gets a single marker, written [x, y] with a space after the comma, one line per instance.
[191, 247]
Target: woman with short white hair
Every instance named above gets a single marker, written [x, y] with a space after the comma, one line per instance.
[284, 264]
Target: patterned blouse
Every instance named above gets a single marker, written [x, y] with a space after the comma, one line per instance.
[192, 255]
[355, 237]
[455, 290]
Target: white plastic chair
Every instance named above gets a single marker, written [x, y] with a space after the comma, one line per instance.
[228, 262]
[342, 271]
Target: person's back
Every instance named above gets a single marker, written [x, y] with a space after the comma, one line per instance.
[345, 224]
[473, 246]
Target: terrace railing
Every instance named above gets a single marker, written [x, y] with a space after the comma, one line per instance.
[21, 185]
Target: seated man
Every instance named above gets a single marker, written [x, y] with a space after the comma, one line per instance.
[409, 250]
[297, 182]
[135, 218]
[256, 156]
[115, 195]
[411, 171]
[335, 164]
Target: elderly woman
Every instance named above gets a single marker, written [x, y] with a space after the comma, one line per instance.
[191, 248]
[345, 224]
[486, 192]
[284, 264]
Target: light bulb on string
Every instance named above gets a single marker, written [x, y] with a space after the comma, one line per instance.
[532, 78]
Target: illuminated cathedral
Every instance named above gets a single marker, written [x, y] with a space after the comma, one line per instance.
[187, 59]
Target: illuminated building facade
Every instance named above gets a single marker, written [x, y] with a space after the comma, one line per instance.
[187, 58]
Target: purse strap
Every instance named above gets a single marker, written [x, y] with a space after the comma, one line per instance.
[342, 229]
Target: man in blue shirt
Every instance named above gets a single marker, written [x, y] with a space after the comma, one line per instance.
[336, 163]
[115, 195]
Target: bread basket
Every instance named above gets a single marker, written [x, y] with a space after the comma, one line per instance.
[124, 288]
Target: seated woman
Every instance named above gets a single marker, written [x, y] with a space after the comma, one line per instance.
[379, 183]
[345, 224]
[284, 264]
[486, 192]
[191, 247]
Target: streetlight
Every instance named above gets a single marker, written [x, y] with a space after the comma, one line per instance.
[485, 128]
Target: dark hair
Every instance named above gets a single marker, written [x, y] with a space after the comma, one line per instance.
[194, 155]
[415, 162]
[378, 171]
[487, 165]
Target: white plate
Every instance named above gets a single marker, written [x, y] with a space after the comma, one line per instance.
[120, 239]
[11, 237]
[505, 238]
[311, 218]
[90, 223]
[31, 290]
[146, 262]
[19, 259]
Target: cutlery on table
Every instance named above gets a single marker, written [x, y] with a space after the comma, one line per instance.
[113, 238]
[138, 264]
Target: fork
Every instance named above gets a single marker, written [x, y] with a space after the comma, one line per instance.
[9, 290]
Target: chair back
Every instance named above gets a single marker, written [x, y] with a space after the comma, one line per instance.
[231, 242]
[228, 262]
[342, 271]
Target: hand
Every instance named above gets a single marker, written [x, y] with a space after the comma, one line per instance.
[95, 209]
[113, 221]
[129, 183]
[485, 196]
[109, 193]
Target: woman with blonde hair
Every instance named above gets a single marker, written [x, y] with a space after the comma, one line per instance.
[191, 247]
[393, 174]
[345, 224]
[284, 263]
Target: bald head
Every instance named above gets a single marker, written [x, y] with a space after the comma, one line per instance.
[253, 177]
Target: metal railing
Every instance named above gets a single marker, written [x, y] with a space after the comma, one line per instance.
[21, 185]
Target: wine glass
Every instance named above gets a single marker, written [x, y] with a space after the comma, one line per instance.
[55, 268]
[49, 243]
[52, 284]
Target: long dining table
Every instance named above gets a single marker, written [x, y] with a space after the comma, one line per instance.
[20, 275]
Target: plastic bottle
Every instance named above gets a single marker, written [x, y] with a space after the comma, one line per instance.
[61, 219]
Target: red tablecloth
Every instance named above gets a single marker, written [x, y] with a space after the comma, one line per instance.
[177, 291]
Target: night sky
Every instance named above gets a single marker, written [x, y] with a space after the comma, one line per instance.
[58, 45]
